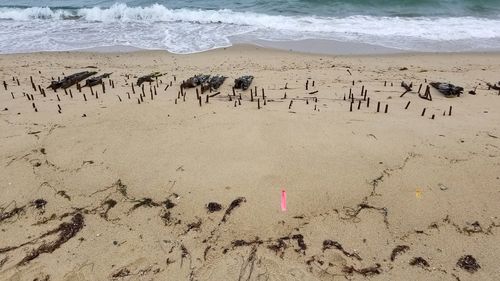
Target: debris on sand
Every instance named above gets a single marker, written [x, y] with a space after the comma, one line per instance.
[329, 244]
[468, 263]
[279, 247]
[214, 207]
[7, 215]
[367, 271]
[39, 204]
[398, 250]
[148, 78]
[195, 81]
[419, 261]
[449, 90]
[96, 80]
[216, 81]
[243, 82]
[236, 203]
[70, 80]
[66, 230]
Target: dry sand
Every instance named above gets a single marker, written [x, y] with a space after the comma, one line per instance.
[124, 190]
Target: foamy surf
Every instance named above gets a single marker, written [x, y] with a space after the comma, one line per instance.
[193, 30]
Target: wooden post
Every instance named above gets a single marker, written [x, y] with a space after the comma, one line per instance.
[368, 102]
[199, 101]
[432, 116]
[359, 104]
[378, 106]
[258, 103]
[307, 85]
[290, 105]
[449, 113]
[385, 83]
[103, 88]
[407, 105]
[119, 98]
[419, 88]
[350, 107]
[423, 112]
[84, 97]
[207, 99]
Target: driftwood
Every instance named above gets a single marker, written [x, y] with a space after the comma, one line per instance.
[243, 82]
[195, 81]
[407, 88]
[216, 81]
[70, 80]
[148, 78]
[96, 80]
[427, 95]
[493, 86]
[449, 90]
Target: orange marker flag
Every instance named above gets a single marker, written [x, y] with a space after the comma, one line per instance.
[283, 200]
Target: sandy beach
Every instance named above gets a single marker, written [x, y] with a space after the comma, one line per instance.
[121, 185]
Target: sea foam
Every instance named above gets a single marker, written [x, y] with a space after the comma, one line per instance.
[173, 29]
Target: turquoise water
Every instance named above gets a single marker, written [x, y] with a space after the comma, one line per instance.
[185, 26]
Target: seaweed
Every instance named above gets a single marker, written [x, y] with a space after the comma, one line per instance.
[7, 215]
[214, 207]
[110, 203]
[279, 247]
[468, 263]
[168, 204]
[39, 204]
[236, 203]
[123, 272]
[329, 244]
[193, 226]
[144, 202]
[66, 230]
[240, 243]
[419, 261]
[399, 249]
[300, 243]
[367, 271]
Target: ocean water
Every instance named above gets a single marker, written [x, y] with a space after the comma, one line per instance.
[186, 26]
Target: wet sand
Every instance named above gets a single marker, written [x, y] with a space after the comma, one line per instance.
[114, 189]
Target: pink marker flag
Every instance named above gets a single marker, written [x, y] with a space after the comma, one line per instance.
[283, 200]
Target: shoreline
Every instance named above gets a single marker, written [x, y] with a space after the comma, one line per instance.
[305, 46]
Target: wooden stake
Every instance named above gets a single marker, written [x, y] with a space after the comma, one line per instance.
[407, 105]
[378, 106]
[386, 108]
[449, 113]
[423, 112]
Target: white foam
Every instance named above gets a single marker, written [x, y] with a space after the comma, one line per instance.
[188, 30]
